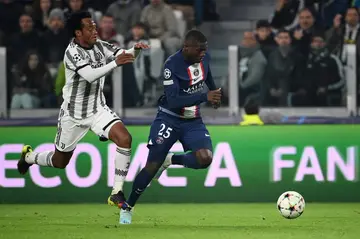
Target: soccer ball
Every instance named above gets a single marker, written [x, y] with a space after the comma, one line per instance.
[291, 204]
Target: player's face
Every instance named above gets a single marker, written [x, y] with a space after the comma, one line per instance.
[196, 51]
[88, 31]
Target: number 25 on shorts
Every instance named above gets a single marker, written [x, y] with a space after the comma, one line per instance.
[164, 131]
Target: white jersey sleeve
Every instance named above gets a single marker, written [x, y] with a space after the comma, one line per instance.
[110, 50]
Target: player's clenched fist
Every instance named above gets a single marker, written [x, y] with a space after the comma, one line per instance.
[124, 58]
[214, 96]
[141, 45]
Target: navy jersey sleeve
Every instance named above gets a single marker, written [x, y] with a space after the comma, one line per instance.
[209, 79]
[172, 90]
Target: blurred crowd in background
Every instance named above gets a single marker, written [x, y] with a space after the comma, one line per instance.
[294, 58]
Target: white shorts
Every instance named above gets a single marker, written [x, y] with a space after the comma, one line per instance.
[70, 131]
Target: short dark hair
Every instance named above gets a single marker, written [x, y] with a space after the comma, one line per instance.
[195, 36]
[27, 15]
[318, 33]
[252, 105]
[306, 9]
[262, 23]
[107, 15]
[74, 21]
[283, 30]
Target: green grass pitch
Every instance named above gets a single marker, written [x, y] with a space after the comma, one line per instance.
[173, 221]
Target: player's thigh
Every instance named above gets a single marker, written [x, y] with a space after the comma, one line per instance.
[195, 136]
[162, 137]
[69, 132]
[103, 121]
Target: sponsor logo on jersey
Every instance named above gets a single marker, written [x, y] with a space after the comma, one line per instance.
[195, 88]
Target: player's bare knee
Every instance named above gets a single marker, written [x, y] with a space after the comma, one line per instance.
[205, 161]
[204, 157]
[120, 135]
[123, 140]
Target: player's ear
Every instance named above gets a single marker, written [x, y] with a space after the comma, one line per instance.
[78, 33]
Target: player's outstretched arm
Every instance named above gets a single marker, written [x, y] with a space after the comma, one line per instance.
[92, 74]
[135, 50]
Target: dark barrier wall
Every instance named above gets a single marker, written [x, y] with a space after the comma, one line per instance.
[252, 164]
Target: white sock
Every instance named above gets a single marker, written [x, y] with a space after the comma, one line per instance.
[122, 164]
[42, 159]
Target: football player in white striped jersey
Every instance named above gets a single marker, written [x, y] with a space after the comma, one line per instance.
[87, 60]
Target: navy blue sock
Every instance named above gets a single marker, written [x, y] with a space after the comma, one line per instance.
[188, 160]
[141, 181]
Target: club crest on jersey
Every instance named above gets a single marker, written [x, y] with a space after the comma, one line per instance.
[98, 56]
[159, 140]
[196, 72]
[167, 73]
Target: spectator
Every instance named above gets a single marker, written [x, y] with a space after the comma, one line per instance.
[187, 9]
[286, 13]
[27, 39]
[10, 12]
[162, 24]
[41, 11]
[142, 66]
[251, 67]
[328, 9]
[33, 85]
[252, 109]
[265, 37]
[126, 13]
[324, 73]
[347, 33]
[107, 31]
[56, 38]
[97, 5]
[284, 72]
[76, 6]
[303, 32]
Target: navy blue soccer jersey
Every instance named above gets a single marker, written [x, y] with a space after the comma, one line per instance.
[184, 86]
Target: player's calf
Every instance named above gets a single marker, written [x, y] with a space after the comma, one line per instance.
[61, 159]
[145, 176]
[122, 138]
[200, 159]
[55, 159]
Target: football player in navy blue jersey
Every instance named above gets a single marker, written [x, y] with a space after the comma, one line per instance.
[178, 117]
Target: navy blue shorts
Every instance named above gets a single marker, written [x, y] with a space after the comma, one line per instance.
[167, 129]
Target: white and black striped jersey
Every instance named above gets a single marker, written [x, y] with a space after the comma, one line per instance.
[82, 97]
